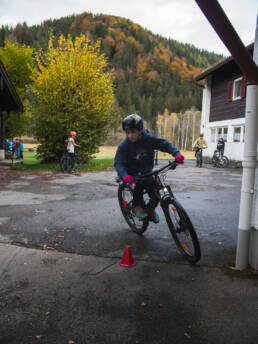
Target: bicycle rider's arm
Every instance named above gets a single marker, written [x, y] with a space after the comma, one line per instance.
[195, 143]
[164, 146]
[74, 144]
[120, 161]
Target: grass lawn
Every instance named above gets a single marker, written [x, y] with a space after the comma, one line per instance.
[103, 160]
[110, 151]
[31, 163]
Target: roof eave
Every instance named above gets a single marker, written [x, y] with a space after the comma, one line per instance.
[218, 65]
[16, 98]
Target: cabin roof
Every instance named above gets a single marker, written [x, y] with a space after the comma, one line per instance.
[219, 65]
[9, 99]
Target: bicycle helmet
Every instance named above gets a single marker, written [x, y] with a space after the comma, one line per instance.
[201, 134]
[73, 133]
[132, 121]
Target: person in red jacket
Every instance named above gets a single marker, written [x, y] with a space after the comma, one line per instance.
[16, 147]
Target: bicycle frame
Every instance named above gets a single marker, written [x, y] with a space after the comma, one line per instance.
[161, 190]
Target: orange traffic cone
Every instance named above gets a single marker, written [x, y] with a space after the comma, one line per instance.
[127, 259]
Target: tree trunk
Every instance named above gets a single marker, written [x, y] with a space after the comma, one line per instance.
[193, 133]
[182, 133]
[187, 129]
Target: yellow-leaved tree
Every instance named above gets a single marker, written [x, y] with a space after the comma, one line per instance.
[72, 90]
[18, 61]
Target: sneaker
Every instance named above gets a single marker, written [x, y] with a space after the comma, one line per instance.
[155, 218]
[139, 212]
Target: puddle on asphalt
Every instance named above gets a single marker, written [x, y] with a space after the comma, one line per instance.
[20, 198]
[4, 220]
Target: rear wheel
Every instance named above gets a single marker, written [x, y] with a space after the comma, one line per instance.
[214, 160]
[224, 161]
[182, 230]
[125, 198]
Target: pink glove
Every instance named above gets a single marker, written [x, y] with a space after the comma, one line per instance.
[179, 158]
[128, 179]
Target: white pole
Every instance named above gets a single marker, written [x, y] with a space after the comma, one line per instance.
[253, 249]
[248, 179]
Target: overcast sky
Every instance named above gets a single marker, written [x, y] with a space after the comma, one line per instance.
[178, 19]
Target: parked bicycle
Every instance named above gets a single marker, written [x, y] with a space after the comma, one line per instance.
[179, 223]
[219, 160]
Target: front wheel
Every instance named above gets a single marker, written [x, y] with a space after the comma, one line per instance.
[214, 161]
[182, 230]
[65, 163]
[125, 199]
[224, 162]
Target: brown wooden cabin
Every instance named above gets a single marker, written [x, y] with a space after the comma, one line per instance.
[9, 101]
[223, 107]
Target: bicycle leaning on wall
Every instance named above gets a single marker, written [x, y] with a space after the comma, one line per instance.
[219, 159]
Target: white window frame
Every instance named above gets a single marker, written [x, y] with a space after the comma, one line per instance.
[213, 134]
[234, 88]
[241, 134]
[217, 135]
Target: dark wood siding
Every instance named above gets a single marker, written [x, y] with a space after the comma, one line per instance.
[221, 109]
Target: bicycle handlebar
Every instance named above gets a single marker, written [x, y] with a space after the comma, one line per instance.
[171, 165]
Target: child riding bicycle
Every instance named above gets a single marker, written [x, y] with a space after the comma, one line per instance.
[135, 156]
[220, 147]
[198, 145]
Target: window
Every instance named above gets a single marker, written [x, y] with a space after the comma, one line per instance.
[213, 134]
[225, 134]
[237, 89]
[222, 132]
[237, 134]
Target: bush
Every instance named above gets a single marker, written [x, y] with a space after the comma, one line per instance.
[72, 91]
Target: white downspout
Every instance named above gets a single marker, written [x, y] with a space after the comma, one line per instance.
[253, 249]
[248, 179]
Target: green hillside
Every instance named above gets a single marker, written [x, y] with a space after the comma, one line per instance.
[152, 72]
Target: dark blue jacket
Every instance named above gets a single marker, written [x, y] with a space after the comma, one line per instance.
[134, 157]
[221, 145]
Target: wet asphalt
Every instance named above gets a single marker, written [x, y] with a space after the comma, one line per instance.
[62, 238]
[80, 214]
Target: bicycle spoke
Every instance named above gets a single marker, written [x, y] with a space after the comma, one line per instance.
[125, 201]
[182, 230]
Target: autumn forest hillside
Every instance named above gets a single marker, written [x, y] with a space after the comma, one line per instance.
[152, 73]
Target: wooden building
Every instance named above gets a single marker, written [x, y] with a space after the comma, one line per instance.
[223, 107]
[9, 102]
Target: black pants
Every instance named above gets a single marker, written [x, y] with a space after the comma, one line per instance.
[221, 152]
[200, 154]
[72, 159]
[148, 185]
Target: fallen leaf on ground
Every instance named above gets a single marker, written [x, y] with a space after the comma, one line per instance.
[187, 335]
